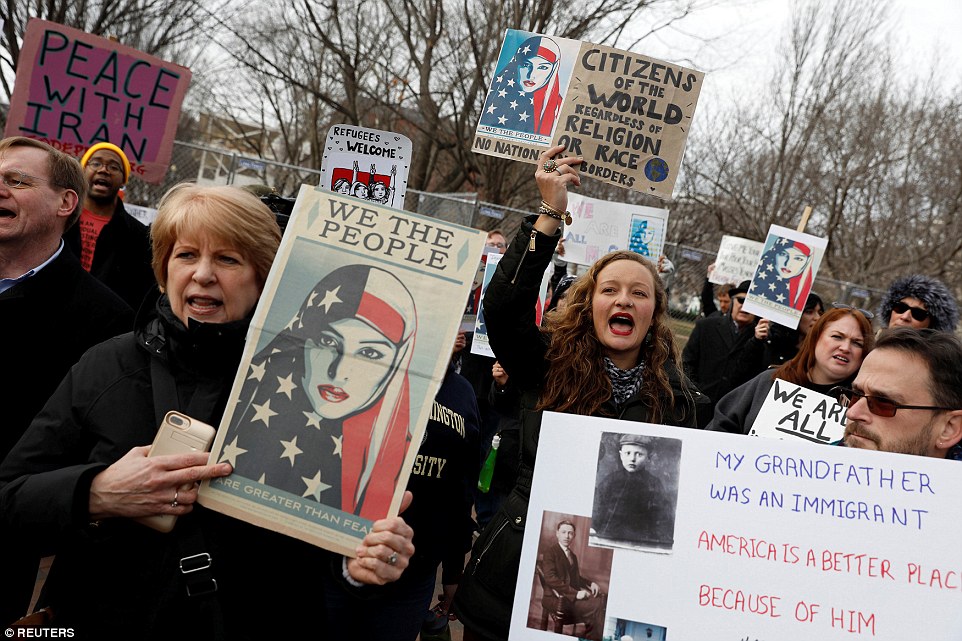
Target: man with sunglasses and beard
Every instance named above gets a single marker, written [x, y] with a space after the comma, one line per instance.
[907, 397]
[921, 302]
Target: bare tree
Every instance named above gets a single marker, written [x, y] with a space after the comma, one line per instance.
[419, 67]
[841, 131]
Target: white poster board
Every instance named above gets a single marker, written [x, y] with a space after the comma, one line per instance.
[795, 412]
[601, 226]
[772, 539]
[369, 164]
[784, 275]
[736, 260]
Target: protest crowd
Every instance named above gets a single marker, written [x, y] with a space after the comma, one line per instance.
[149, 319]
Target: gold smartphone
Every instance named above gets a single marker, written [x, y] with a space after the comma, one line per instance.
[178, 434]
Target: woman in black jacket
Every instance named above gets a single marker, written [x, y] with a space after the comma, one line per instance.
[609, 353]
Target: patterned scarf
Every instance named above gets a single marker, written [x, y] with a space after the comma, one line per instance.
[624, 382]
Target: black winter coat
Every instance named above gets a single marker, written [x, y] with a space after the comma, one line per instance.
[119, 579]
[122, 257]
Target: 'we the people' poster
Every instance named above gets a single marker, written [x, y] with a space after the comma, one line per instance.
[784, 275]
[347, 348]
[744, 538]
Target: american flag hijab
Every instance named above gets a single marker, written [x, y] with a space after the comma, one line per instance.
[771, 284]
[519, 100]
[352, 462]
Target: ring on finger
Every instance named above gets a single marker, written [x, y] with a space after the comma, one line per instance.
[392, 560]
[549, 166]
[174, 503]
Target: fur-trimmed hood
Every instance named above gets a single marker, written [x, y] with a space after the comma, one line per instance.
[941, 305]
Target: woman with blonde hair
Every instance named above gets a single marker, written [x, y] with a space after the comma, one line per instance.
[609, 353]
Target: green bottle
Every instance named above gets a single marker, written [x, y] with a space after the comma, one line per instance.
[487, 470]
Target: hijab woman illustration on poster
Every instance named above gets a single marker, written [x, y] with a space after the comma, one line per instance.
[525, 96]
[784, 275]
[345, 353]
[333, 383]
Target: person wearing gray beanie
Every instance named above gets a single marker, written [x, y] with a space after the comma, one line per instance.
[919, 301]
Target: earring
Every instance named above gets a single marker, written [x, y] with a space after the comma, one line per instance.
[648, 338]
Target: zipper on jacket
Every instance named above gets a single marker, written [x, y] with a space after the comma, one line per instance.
[531, 248]
[494, 537]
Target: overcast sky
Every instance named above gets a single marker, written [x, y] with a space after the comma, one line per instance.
[743, 37]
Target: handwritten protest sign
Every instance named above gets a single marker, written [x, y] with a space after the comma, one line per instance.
[626, 114]
[793, 411]
[74, 89]
[784, 275]
[736, 260]
[346, 351]
[366, 163]
[601, 226]
[768, 539]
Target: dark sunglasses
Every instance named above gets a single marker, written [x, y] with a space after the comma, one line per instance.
[867, 314]
[879, 405]
[918, 313]
[740, 299]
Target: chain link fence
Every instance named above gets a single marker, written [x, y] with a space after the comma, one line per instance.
[212, 166]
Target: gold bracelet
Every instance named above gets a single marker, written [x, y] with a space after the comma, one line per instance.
[557, 214]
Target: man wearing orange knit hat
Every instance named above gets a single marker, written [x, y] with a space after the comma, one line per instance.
[110, 243]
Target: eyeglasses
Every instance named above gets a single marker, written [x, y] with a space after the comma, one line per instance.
[740, 299]
[867, 314]
[496, 245]
[879, 405]
[918, 313]
[16, 179]
[111, 167]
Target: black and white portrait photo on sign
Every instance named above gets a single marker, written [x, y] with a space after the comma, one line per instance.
[636, 490]
[569, 594]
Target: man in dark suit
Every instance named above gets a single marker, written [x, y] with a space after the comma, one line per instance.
[713, 354]
[51, 311]
[583, 598]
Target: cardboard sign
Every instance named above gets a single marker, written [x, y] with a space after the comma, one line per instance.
[626, 114]
[757, 538]
[369, 164]
[784, 275]
[347, 348]
[736, 260]
[600, 226]
[74, 89]
[795, 412]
